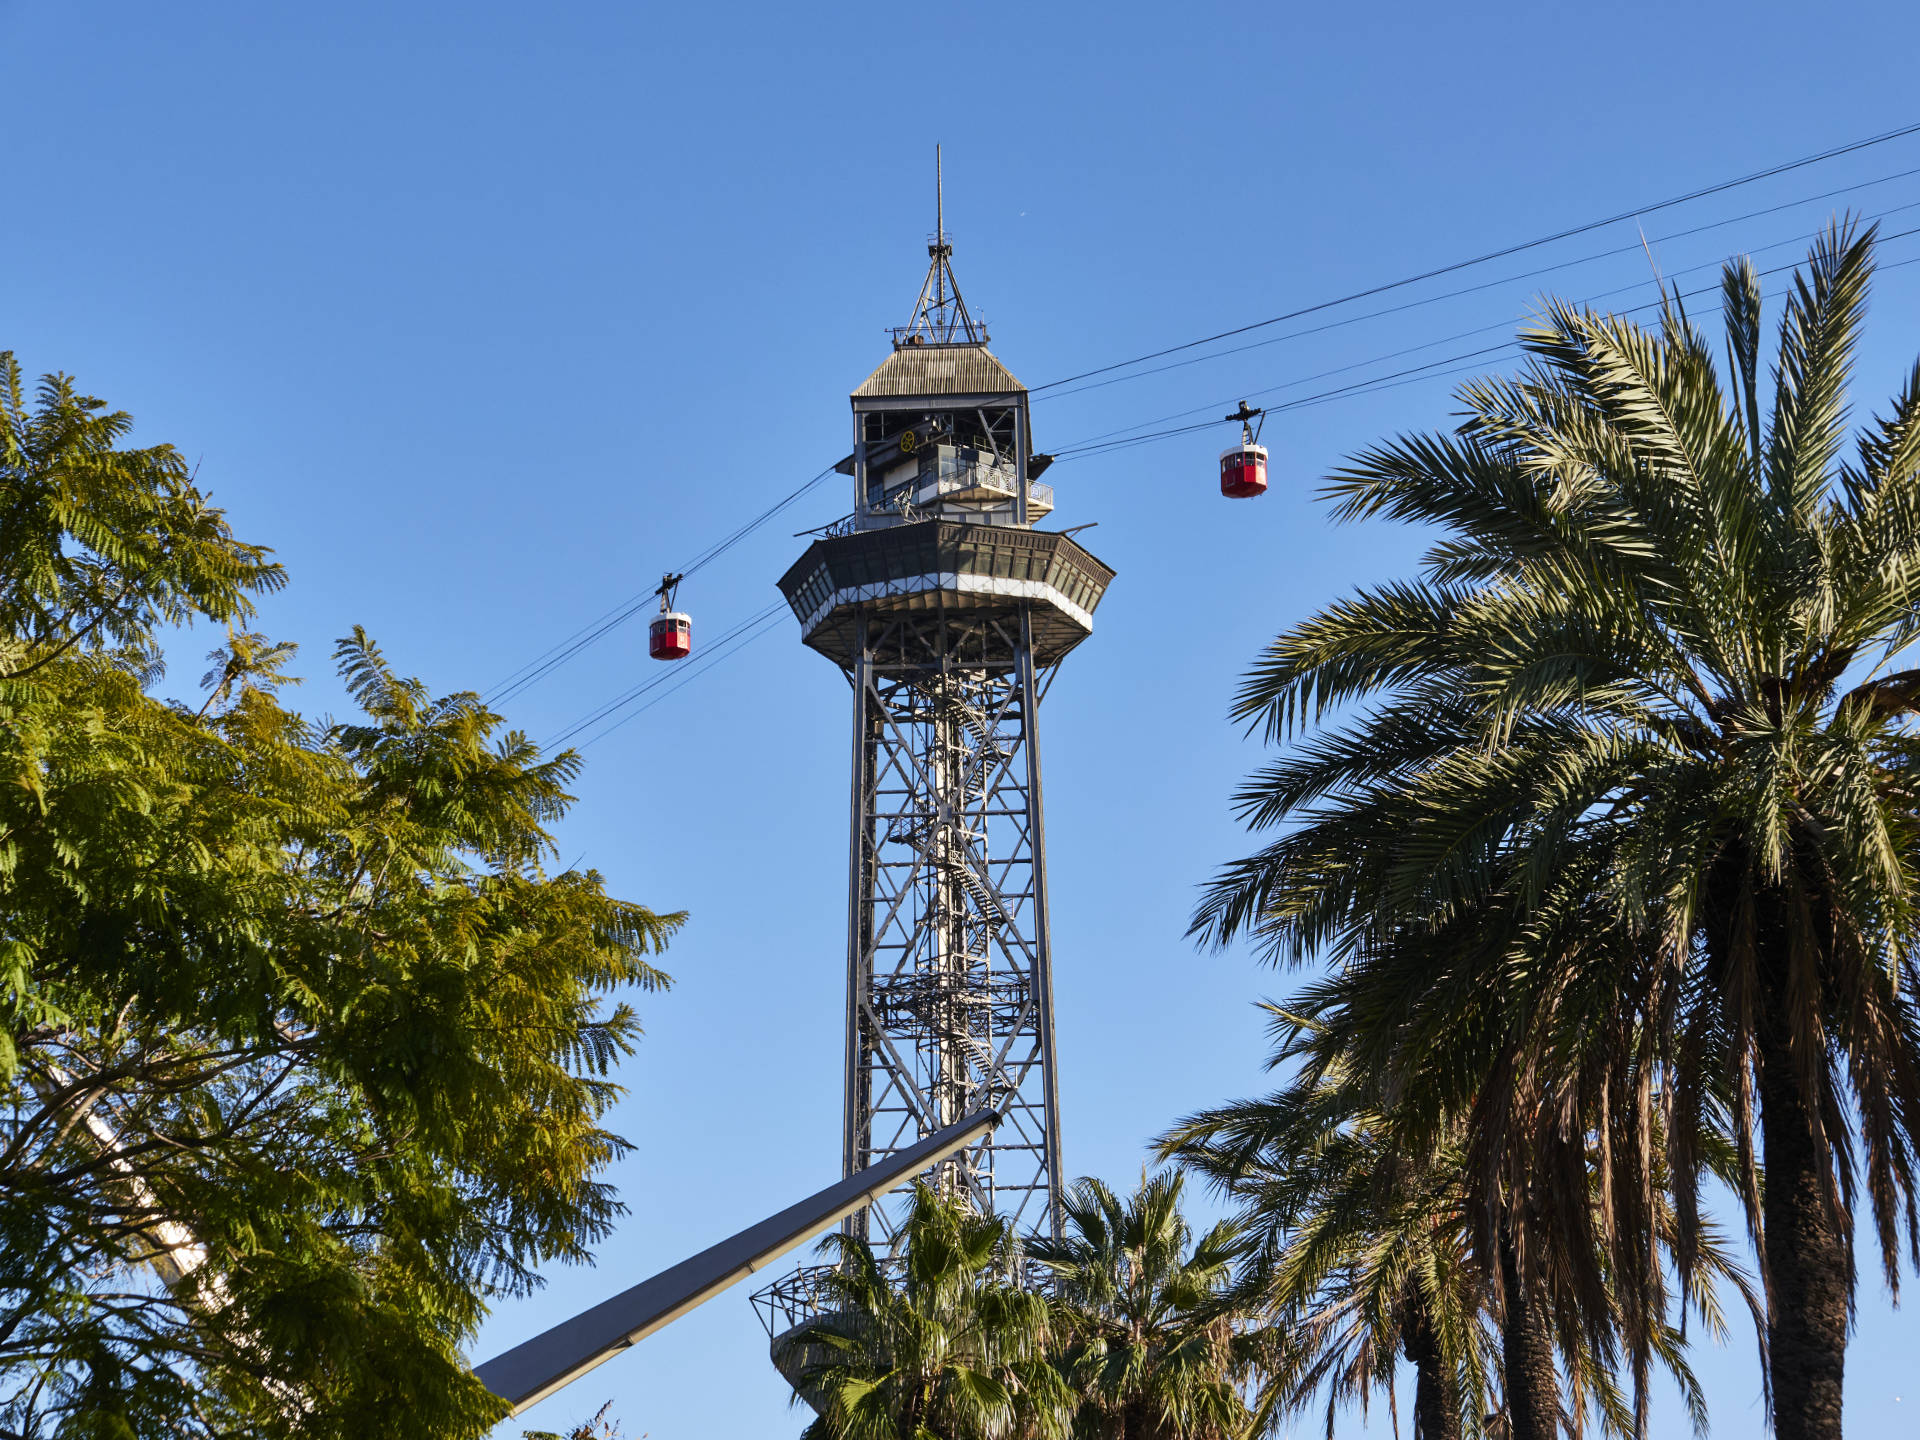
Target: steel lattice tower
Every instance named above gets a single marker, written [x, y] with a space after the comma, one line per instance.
[949, 615]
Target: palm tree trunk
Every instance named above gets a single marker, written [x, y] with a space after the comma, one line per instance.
[1436, 1392]
[1809, 1254]
[1526, 1343]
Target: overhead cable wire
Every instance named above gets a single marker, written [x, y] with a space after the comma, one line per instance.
[542, 665]
[1412, 374]
[536, 670]
[545, 664]
[739, 639]
[714, 552]
[1484, 285]
[1587, 227]
[1081, 445]
[627, 697]
[1358, 386]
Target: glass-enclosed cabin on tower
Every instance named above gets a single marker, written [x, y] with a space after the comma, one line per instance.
[940, 431]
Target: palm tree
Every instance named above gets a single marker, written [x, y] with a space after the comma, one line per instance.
[1152, 1346]
[943, 1345]
[1647, 671]
[1465, 1086]
[1360, 1255]
[1365, 1246]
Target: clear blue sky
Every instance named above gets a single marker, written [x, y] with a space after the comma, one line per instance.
[486, 315]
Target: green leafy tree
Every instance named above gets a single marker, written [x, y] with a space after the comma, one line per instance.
[305, 1053]
[1150, 1338]
[1649, 673]
[942, 1345]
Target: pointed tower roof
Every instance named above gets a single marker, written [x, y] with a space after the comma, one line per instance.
[939, 370]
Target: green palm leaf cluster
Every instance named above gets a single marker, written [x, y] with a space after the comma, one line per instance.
[1123, 1327]
[1367, 1249]
[1360, 1257]
[944, 1345]
[1607, 819]
[1152, 1342]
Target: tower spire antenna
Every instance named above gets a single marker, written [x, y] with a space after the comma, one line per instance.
[942, 250]
[940, 316]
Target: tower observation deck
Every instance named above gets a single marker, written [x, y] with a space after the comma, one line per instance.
[949, 614]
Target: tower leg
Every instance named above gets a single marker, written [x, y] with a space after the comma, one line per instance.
[855, 1144]
[1043, 928]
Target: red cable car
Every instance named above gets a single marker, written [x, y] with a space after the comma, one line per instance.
[1243, 471]
[670, 636]
[1243, 467]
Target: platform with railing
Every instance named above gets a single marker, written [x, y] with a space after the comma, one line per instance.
[957, 481]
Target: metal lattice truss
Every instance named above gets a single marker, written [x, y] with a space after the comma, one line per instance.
[949, 987]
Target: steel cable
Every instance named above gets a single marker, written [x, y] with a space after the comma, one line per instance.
[546, 663]
[627, 697]
[1100, 444]
[1534, 244]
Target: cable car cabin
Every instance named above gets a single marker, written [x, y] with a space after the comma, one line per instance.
[670, 637]
[1243, 471]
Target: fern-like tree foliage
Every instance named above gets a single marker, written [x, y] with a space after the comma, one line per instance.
[1149, 1333]
[304, 1053]
[1648, 688]
[940, 1343]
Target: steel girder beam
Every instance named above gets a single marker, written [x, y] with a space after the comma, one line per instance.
[534, 1369]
